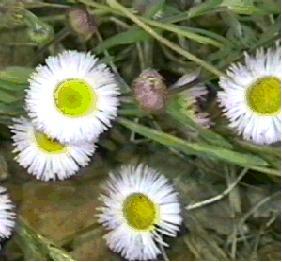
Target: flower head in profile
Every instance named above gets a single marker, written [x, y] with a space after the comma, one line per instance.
[190, 99]
[72, 98]
[46, 158]
[7, 216]
[251, 96]
[139, 206]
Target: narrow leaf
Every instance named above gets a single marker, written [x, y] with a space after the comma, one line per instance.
[16, 74]
[194, 148]
[133, 35]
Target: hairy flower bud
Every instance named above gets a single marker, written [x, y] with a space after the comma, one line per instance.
[41, 33]
[81, 22]
[38, 31]
[150, 91]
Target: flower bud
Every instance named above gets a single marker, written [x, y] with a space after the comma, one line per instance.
[81, 22]
[38, 31]
[150, 91]
[41, 33]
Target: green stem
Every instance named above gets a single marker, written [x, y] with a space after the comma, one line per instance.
[119, 22]
[266, 170]
[175, 29]
[106, 53]
[99, 6]
[140, 56]
[176, 48]
[113, 66]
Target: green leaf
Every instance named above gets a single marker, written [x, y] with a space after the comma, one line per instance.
[16, 74]
[37, 247]
[11, 86]
[197, 10]
[27, 240]
[148, 8]
[11, 109]
[3, 168]
[205, 7]
[271, 154]
[154, 7]
[201, 150]
[244, 7]
[7, 97]
[133, 35]
[182, 31]
[204, 32]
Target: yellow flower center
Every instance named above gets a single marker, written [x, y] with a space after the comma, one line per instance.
[140, 212]
[75, 98]
[263, 96]
[47, 144]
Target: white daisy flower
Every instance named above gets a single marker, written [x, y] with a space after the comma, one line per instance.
[251, 96]
[7, 216]
[72, 98]
[46, 158]
[139, 206]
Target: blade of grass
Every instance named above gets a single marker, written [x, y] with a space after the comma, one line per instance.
[223, 154]
[16, 74]
[133, 35]
[182, 32]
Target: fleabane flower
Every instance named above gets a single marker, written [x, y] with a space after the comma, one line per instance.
[139, 206]
[251, 96]
[190, 99]
[72, 98]
[7, 215]
[46, 158]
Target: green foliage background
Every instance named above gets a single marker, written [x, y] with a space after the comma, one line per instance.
[56, 220]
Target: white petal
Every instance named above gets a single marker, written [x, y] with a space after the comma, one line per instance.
[7, 216]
